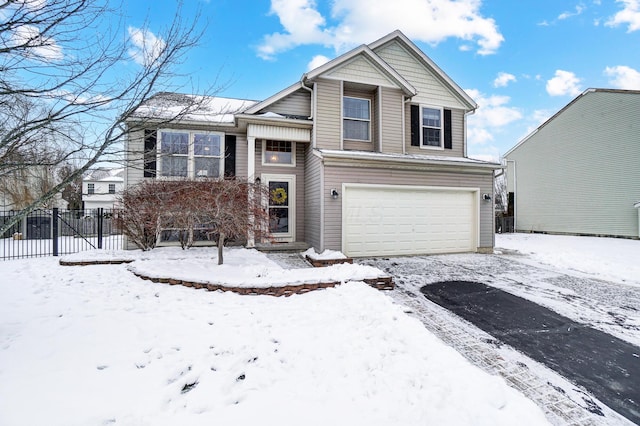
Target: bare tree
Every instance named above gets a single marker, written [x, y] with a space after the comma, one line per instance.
[71, 77]
[500, 191]
[223, 209]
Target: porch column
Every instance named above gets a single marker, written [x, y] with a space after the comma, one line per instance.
[251, 171]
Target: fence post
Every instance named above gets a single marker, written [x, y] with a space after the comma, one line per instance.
[54, 231]
[100, 219]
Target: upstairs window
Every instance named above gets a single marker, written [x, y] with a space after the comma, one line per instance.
[356, 115]
[112, 188]
[431, 127]
[190, 154]
[91, 188]
[279, 153]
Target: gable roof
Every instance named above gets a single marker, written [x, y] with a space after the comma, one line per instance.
[374, 59]
[368, 52]
[399, 36]
[566, 107]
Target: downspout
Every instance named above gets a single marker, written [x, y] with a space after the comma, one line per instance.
[404, 125]
[312, 107]
[473, 111]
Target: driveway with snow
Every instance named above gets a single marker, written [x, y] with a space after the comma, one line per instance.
[591, 281]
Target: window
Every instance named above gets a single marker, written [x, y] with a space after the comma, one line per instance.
[279, 153]
[91, 188]
[190, 154]
[431, 127]
[356, 119]
[112, 188]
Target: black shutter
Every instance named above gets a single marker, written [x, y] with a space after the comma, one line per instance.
[448, 140]
[150, 139]
[415, 125]
[229, 156]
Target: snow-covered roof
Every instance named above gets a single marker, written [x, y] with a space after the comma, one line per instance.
[210, 109]
[104, 174]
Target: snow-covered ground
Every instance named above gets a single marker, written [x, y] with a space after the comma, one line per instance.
[95, 345]
[610, 259]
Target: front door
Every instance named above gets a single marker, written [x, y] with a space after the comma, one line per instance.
[281, 206]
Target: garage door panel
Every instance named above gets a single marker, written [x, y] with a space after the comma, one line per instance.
[402, 221]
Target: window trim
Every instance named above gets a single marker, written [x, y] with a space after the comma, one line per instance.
[345, 118]
[441, 128]
[191, 156]
[264, 154]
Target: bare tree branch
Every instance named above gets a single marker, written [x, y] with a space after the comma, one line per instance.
[63, 96]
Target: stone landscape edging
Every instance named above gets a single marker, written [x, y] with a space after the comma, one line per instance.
[379, 283]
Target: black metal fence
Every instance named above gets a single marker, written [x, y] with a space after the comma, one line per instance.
[55, 232]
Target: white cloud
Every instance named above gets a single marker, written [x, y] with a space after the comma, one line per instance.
[564, 83]
[317, 61]
[623, 77]
[361, 21]
[503, 79]
[629, 15]
[44, 48]
[146, 46]
[566, 15]
[492, 116]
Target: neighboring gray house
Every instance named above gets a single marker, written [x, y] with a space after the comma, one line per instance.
[101, 187]
[579, 172]
[369, 149]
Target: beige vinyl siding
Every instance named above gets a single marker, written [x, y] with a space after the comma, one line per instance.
[391, 104]
[328, 114]
[335, 176]
[297, 103]
[457, 136]
[312, 194]
[580, 173]
[298, 171]
[361, 70]
[241, 156]
[431, 90]
[134, 172]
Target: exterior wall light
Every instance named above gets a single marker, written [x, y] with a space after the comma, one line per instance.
[486, 197]
[334, 193]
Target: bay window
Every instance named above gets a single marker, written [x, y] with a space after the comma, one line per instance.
[356, 114]
[190, 154]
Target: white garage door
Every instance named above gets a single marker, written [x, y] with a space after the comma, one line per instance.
[403, 220]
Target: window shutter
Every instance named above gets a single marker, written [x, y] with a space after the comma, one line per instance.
[229, 156]
[150, 139]
[415, 125]
[448, 139]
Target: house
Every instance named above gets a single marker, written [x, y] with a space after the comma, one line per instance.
[367, 154]
[579, 172]
[101, 187]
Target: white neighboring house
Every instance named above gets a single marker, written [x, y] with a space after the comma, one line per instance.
[101, 188]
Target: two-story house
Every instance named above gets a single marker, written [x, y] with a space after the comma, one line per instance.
[365, 154]
[101, 187]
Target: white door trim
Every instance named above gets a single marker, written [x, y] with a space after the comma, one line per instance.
[290, 236]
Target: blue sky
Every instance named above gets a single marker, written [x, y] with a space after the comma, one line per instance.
[520, 60]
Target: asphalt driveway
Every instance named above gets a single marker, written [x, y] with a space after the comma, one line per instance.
[586, 330]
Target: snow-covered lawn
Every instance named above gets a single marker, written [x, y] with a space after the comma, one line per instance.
[610, 259]
[95, 345]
